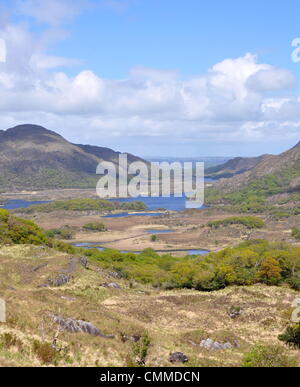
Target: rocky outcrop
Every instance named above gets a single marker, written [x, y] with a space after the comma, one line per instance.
[78, 326]
[234, 312]
[84, 262]
[111, 285]
[212, 345]
[178, 357]
[60, 280]
[134, 338]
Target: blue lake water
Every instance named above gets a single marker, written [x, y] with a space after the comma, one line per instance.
[157, 203]
[96, 246]
[159, 231]
[14, 204]
[152, 203]
[126, 214]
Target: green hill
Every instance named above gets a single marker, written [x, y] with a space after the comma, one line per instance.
[275, 180]
[32, 157]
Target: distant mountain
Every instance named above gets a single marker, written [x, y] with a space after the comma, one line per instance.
[233, 167]
[34, 157]
[271, 175]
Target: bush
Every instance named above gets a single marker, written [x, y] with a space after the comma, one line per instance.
[60, 233]
[294, 283]
[15, 230]
[8, 340]
[250, 222]
[295, 233]
[19, 231]
[140, 350]
[45, 352]
[96, 226]
[266, 356]
[291, 336]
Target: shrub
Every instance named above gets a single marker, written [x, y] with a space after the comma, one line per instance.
[19, 231]
[266, 356]
[45, 352]
[250, 222]
[291, 336]
[153, 238]
[140, 350]
[8, 340]
[60, 233]
[295, 233]
[294, 283]
[95, 226]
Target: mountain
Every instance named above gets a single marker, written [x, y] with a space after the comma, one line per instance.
[34, 157]
[233, 167]
[272, 175]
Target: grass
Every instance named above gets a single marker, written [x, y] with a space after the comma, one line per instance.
[171, 319]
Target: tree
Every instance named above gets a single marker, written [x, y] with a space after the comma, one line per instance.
[270, 271]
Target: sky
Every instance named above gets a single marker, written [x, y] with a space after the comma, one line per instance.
[155, 77]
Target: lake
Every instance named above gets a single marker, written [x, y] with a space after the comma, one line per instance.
[96, 246]
[157, 203]
[14, 204]
[126, 214]
[153, 204]
[156, 232]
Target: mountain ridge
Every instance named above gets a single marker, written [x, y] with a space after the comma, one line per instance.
[272, 175]
[32, 156]
[233, 167]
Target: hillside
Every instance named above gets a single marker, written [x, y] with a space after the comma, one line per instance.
[233, 167]
[34, 157]
[162, 321]
[74, 307]
[273, 178]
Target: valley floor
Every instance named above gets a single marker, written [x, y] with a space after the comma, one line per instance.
[189, 230]
[163, 321]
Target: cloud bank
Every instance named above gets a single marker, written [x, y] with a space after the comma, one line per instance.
[238, 99]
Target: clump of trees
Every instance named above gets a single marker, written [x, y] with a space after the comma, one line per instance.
[249, 263]
[87, 204]
[65, 233]
[95, 226]
[14, 230]
[250, 222]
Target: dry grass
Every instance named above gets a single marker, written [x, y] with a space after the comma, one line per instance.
[174, 320]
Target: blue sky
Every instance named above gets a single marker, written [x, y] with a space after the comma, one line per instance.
[156, 77]
[189, 36]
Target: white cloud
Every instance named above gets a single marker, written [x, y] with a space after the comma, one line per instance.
[237, 99]
[52, 12]
[271, 79]
[44, 62]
